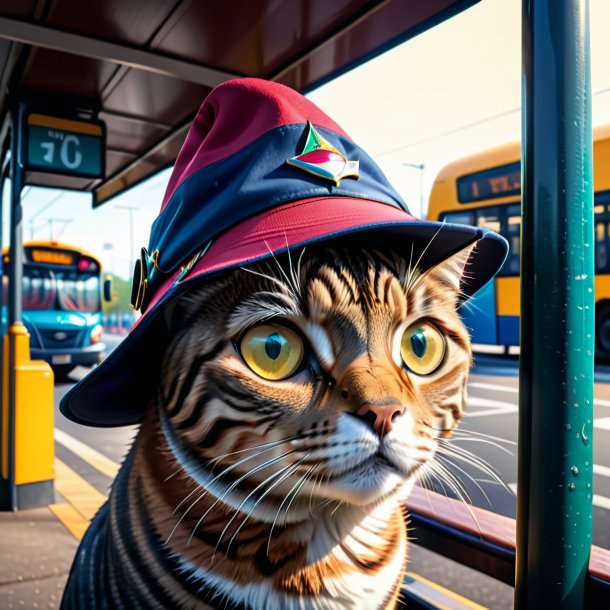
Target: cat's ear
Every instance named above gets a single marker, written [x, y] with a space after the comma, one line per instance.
[453, 272]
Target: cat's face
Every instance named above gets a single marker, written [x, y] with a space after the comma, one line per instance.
[329, 379]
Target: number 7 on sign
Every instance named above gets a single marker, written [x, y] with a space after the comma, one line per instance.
[50, 149]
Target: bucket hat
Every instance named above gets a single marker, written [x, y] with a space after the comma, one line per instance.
[262, 169]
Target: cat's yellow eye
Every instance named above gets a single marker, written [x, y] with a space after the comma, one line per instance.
[274, 352]
[422, 348]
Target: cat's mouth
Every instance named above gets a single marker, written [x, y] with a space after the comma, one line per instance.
[375, 464]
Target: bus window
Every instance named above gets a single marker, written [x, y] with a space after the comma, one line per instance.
[38, 290]
[601, 246]
[78, 292]
[460, 218]
[489, 218]
[602, 228]
[513, 235]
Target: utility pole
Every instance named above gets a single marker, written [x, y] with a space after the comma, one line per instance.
[50, 221]
[421, 167]
[130, 209]
[44, 208]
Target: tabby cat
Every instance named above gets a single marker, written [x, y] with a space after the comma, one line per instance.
[300, 400]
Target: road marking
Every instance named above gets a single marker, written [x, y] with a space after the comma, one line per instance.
[503, 388]
[85, 498]
[88, 454]
[603, 423]
[494, 407]
[599, 501]
[493, 386]
[439, 597]
[71, 519]
[602, 471]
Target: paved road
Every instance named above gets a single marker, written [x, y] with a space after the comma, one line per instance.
[492, 409]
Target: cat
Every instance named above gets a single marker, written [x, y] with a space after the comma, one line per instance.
[299, 401]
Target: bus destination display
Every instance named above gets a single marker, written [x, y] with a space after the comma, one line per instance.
[51, 257]
[501, 181]
[65, 146]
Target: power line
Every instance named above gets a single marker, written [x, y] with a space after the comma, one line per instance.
[450, 132]
[47, 206]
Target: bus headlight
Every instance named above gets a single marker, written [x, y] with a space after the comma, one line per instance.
[96, 333]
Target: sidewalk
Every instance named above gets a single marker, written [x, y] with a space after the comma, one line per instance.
[37, 546]
[36, 553]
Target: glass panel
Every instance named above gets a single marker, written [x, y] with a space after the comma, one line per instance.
[489, 218]
[59, 290]
[513, 235]
[38, 289]
[459, 218]
[77, 292]
[601, 247]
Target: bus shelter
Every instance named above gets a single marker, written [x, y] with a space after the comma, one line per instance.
[106, 91]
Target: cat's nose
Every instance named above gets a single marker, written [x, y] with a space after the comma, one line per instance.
[381, 416]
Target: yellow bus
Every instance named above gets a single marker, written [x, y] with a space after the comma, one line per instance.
[485, 190]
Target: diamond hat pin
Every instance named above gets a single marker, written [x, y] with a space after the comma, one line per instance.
[322, 159]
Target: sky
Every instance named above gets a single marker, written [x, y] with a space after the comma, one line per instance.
[445, 94]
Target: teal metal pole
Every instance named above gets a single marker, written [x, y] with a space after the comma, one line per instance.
[555, 473]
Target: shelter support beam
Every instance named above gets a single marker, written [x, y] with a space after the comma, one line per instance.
[554, 499]
[50, 38]
[26, 441]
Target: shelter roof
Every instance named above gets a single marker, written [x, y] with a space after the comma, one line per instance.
[144, 66]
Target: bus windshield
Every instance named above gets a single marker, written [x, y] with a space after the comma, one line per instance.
[60, 289]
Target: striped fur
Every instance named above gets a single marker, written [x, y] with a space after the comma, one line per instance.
[244, 493]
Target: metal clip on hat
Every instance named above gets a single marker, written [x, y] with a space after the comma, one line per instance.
[262, 169]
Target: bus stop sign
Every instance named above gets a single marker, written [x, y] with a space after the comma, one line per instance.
[63, 146]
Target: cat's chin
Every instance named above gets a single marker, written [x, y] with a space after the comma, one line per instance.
[373, 481]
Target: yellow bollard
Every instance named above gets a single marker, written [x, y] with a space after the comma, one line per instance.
[34, 446]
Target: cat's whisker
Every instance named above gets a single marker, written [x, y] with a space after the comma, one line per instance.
[173, 474]
[269, 446]
[290, 471]
[283, 473]
[201, 496]
[456, 439]
[456, 486]
[295, 488]
[295, 280]
[501, 484]
[485, 435]
[439, 478]
[269, 278]
[424, 251]
[235, 484]
[186, 512]
[452, 481]
[339, 505]
[299, 269]
[470, 305]
[472, 459]
[292, 288]
[446, 460]
[426, 485]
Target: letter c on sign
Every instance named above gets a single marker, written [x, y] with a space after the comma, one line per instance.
[70, 145]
